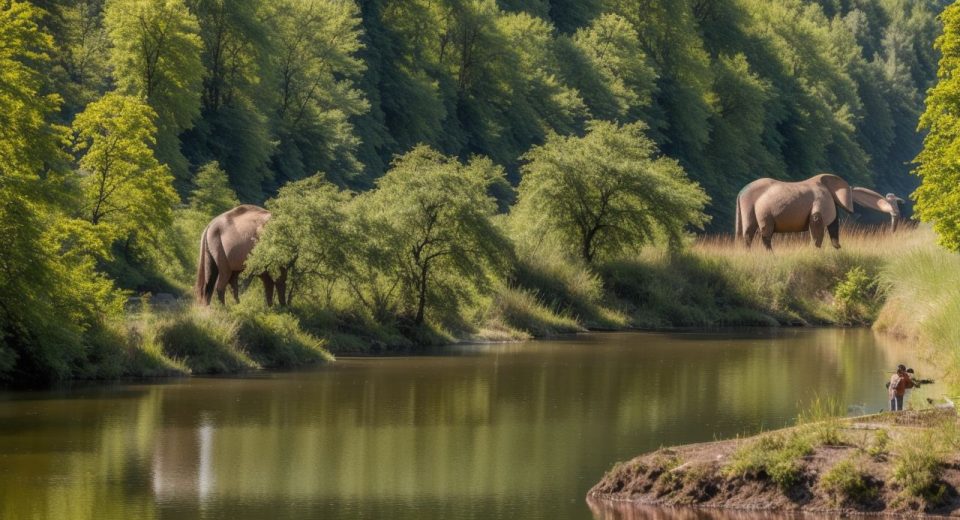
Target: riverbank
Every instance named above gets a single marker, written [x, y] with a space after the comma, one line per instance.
[904, 463]
[712, 283]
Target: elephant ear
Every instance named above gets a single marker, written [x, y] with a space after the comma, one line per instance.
[872, 200]
[842, 194]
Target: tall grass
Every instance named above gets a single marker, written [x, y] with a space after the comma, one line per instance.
[922, 288]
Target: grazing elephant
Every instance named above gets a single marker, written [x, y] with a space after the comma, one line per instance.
[224, 247]
[873, 200]
[771, 206]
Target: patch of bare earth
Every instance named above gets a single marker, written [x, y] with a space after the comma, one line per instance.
[698, 475]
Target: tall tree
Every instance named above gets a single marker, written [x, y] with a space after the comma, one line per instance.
[126, 191]
[234, 125]
[155, 54]
[315, 65]
[938, 197]
[50, 294]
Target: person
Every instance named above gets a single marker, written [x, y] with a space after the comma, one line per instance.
[899, 383]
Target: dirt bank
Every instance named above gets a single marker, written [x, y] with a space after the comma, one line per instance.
[905, 463]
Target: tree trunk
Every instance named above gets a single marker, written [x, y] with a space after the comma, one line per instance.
[422, 304]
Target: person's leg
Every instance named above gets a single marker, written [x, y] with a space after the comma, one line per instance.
[899, 403]
[893, 404]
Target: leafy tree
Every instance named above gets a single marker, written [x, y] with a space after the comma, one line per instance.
[625, 80]
[234, 127]
[212, 195]
[607, 192]
[50, 294]
[155, 54]
[315, 64]
[125, 190]
[435, 213]
[305, 235]
[938, 197]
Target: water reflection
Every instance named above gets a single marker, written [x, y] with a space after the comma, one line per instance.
[502, 431]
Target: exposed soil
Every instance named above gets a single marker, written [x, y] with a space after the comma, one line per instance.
[693, 475]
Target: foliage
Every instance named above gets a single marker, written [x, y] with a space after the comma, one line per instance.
[606, 192]
[774, 456]
[306, 235]
[434, 216]
[315, 62]
[212, 194]
[845, 481]
[123, 187]
[155, 54]
[938, 195]
[51, 296]
[918, 465]
[855, 298]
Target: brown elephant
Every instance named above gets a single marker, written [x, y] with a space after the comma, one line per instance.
[224, 247]
[771, 206]
[873, 200]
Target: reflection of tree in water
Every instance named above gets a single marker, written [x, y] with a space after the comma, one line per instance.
[508, 431]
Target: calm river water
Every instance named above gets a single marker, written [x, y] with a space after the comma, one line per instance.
[503, 431]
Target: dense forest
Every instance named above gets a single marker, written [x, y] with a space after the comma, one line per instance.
[126, 124]
[732, 89]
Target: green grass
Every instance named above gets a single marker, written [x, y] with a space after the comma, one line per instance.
[918, 463]
[777, 456]
[846, 482]
[215, 340]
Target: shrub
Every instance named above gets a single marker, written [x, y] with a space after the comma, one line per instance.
[918, 466]
[855, 298]
[845, 481]
[777, 456]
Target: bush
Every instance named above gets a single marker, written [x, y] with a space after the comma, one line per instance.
[855, 298]
[777, 456]
[846, 482]
[918, 466]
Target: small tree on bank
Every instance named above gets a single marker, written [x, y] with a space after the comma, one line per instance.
[305, 234]
[606, 192]
[436, 213]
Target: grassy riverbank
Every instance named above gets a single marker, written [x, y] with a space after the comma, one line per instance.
[711, 283]
[902, 463]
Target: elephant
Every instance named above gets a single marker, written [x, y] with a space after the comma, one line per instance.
[224, 247]
[873, 200]
[771, 206]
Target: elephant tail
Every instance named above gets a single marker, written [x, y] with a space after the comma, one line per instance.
[738, 227]
[204, 270]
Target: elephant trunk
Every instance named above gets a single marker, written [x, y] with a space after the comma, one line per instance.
[894, 222]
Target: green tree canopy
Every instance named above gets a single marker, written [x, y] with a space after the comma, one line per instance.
[306, 235]
[212, 194]
[938, 197]
[50, 294]
[435, 215]
[607, 192]
[125, 190]
[155, 54]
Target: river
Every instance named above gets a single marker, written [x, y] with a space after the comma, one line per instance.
[481, 431]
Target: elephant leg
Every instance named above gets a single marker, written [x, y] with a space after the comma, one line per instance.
[816, 229]
[235, 286]
[834, 230]
[267, 287]
[767, 228]
[750, 232]
[223, 279]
